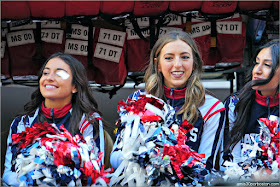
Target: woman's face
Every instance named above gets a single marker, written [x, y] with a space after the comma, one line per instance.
[176, 63]
[262, 70]
[56, 83]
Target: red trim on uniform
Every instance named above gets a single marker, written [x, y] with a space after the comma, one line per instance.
[273, 100]
[178, 93]
[205, 116]
[98, 118]
[85, 120]
[57, 113]
[217, 111]
[87, 124]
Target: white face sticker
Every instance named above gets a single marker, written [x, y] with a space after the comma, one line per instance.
[63, 74]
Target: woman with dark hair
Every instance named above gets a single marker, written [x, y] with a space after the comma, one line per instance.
[63, 97]
[173, 75]
[259, 98]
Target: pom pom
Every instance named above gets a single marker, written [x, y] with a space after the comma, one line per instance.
[47, 155]
[260, 161]
[152, 147]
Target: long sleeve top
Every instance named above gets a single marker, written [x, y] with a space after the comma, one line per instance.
[57, 116]
[204, 138]
[262, 107]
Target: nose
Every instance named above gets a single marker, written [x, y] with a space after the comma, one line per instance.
[177, 62]
[258, 69]
[50, 76]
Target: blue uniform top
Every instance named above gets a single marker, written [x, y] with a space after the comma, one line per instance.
[204, 137]
[21, 122]
[262, 107]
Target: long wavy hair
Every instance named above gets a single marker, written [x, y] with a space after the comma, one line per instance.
[83, 101]
[154, 80]
[247, 94]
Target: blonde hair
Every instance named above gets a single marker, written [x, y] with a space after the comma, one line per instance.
[195, 92]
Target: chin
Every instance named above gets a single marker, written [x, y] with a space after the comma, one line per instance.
[180, 85]
[49, 97]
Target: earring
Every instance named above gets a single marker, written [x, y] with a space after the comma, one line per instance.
[74, 91]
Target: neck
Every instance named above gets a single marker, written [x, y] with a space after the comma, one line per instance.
[267, 100]
[53, 113]
[268, 93]
[55, 104]
[176, 93]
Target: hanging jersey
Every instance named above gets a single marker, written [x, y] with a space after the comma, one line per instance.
[231, 30]
[218, 7]
[137, 48]
[150, 8]
[53, 38]
[14, 10]
[228, 30]
[47, 9]
[21, 43]
[184, 6]
[257, 5]
[201, 33]
[116, 7]
[76, 8]
[76, 44]
[109, 56]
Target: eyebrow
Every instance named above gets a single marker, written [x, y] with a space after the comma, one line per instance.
[180, 53]
[56, 69]
[265, 60]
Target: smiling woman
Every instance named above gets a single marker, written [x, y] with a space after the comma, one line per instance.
[173, 75]
[56, 84]
[176, 63]
[63, 98]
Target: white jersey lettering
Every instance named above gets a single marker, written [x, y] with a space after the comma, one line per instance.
[51, 24]
[80, 32]
[132, 35]
[108, 52]
[20, 38]
[76, 47]
[111, 37]
[14, 26]
[193, 134]
[52, 35]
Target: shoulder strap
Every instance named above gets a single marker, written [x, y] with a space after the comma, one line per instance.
[85, 123]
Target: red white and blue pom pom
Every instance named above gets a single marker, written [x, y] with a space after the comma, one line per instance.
[47, 155]
[260, 161]
[153, 146]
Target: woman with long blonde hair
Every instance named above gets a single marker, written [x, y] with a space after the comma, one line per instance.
[173, 75]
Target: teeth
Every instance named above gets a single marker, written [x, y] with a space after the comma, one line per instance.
[177, 73]
[49, 86]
